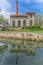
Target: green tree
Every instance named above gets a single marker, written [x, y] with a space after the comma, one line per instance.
[3, 20]
[41, 24]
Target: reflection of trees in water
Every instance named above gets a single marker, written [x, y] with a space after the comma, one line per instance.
[2, 51]
[21, 43]
[21, 46]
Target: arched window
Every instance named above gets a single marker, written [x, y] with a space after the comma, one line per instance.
[19, 23]
[13, 23]
[30, 22]
[24, 22]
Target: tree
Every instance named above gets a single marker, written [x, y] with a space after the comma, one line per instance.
[41, 24]
[3, 20]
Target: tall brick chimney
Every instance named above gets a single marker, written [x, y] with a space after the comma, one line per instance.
[16, 7]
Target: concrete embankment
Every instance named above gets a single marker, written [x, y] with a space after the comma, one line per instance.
[24, 35]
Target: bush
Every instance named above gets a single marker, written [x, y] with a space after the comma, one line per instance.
[32, 27]
[23, 27]
[19, 46]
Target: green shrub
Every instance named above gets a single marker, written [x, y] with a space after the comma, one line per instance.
[30, 39]
[24, 46]
[19, 46]
[13, 45]
[33, 27]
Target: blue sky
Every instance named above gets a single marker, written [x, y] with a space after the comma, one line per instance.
[9, 6]
[27, 6]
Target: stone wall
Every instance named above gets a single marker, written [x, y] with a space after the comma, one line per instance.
[27, 36]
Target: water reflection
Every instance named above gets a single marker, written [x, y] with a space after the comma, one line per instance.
[19, 52]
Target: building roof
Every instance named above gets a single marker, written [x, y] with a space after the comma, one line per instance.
[19, 15]
[30, 13]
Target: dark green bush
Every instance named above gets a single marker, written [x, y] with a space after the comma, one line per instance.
[32, 27]
[19, 46]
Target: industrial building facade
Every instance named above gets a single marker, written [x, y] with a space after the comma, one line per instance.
[27, 19]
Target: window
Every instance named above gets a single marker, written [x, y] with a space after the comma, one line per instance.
[24, 22]
[30, 15]
[13, 23]
[19, 23]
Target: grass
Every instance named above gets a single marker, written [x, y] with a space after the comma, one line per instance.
[32, 29]
[29, 30]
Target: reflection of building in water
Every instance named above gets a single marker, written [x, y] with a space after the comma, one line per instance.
[40, 44]
[22, 45]
[22, 42]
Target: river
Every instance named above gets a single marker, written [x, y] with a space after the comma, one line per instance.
[20, 52]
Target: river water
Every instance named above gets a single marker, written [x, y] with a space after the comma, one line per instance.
[20, 52]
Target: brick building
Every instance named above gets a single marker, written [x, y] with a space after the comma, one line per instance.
[27, 19]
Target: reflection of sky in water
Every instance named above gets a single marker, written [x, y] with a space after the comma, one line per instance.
[1, 44]
[23, 59]
[10, 59]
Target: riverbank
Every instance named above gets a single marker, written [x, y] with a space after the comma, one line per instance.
[22, 36]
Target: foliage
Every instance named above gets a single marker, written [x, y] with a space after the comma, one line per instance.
[2, 19]
[31, 27]
[2, 48]
[41, 24]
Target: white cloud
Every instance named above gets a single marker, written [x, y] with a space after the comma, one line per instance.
[5, 6]
[6, 14]
[38, 0]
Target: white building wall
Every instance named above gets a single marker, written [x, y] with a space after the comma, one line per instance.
[21, 19]
[16, 22]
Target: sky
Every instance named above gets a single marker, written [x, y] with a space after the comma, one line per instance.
[9, 6]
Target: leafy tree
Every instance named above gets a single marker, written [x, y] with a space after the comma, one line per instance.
[3, 20]
[41, 23]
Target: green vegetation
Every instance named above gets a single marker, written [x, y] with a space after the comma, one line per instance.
[3, 20]
[2, 48]
[18, 50]
[41, 24]
[30, 53]
[32, 29]
[13, 45]
[19, 46]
